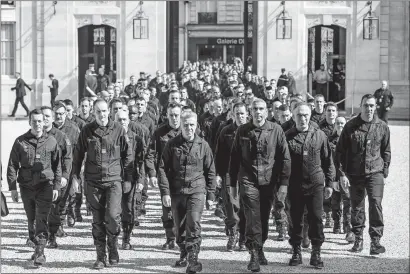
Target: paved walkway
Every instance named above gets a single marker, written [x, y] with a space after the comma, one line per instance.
[76, 252]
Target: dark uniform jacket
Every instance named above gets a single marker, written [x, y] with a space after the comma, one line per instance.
[317, 117]
[384, 98]
[221, 126]
[108, 152]
[141, 131]
[283, 80]
[131, 90]
[148, 122]
[223, 149]
[333, 140]
[159, 139]
[34, 161]
[291, 123]
[78, 121]
[89, 119]
[216, 122]
[102, 82]
[206, 129]
[259, 156]
[20, 88]
[326, 127]
[138, 155]
[54, 87]
[312, 162]
[187, 167]
[71, 130]
[66, 151]
[364, 148]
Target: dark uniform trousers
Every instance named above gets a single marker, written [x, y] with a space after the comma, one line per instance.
[168, 222]
[257, 205]
[235, 216]
[187, 211]
[105, 202]
[341, 206]
[37, 202]
[16, 103]
[58, 210]
[374, 186]
[313, 200]
[279, 210]
[383, 114]
[128, 202]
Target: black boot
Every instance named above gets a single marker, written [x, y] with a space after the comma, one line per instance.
[358, 245]
[88, 210]
[232, 240]
[315, 259]
[52, 243]
[296, 257]
[262, 258]
[39, 257]
[126, 229]
[337, 227]
[254, 265]
[182, 262]
[78, 216]
[101, 261]
[376, 248]
[169, 244]
[112, 243]
[242, 241]
[282, 232]
[61, 232]
[193, 265]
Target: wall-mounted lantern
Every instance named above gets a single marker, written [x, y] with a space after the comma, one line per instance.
[141, 24]
[283, 24]
[370, 24]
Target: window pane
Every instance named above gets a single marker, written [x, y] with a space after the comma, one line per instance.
[8, 51]
[7, 32]
[7, 66]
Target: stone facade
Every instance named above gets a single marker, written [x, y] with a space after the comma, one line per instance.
[47, 43]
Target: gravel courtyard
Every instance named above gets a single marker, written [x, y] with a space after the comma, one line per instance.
[76, 253]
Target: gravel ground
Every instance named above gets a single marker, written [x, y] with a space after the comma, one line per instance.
[76, 252]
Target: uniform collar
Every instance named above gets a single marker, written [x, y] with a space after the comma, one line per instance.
[196, 139]
[360, 121]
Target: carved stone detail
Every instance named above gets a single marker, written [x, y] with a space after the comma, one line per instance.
[83, 20]
[313, 21]
[110, 21]
[339, 21]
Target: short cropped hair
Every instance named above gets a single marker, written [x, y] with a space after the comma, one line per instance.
[68, 102]
[188, 114]
[35, 111]
[173, 105]
[298, 105]
[58, 105]
[99, 100]
[331, 104]
[319, 95]
[238, 105]
[367, 97]
[284, 107]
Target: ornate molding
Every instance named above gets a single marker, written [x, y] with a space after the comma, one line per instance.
[83, 20]
[340, 21]
[109, 20]
[313, 21]
[327, 3]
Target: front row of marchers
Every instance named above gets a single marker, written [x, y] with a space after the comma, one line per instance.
[256, 161]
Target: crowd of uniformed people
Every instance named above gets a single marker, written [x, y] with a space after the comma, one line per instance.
[212, 136]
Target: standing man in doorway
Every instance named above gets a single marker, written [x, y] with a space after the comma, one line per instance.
[384, 101]
[321, 77]
[90, 87]
[20, 93]
[53, 88]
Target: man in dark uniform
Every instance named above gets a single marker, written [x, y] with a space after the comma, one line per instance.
[72, 131]
[327, 125]
[108, 163]
[20, 89]
[384, 101]
[283, 79]
[234, 210]
[363, 154]
[85, 111]
[59, 207]
[70, 114]
[35, 163]
[259, 162]
[143, 117]
[53, 88]
[312, 166]
[186, 171]
[161, 136]
[131, 88]
[318, 114]
[129, 189]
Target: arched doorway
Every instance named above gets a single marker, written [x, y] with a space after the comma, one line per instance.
[97, 44]
[327, 45]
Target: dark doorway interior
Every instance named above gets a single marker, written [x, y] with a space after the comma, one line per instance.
[96, 45]
[327, 45]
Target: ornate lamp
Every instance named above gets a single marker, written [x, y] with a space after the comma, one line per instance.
[370, 24]
[283, 25]
[141, 24]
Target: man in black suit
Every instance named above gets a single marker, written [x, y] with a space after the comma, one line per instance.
[20, 93]
[53, 89]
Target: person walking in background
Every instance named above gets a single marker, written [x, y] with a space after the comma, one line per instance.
[20, 93]
[53, 89]
[321, 77]
[384, 101]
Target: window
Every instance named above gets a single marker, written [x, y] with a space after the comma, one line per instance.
[7, 4]
[8, 49]
[207, 12]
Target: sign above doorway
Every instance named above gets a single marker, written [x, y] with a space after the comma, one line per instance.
[226, 41]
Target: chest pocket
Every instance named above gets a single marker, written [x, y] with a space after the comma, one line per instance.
[375, 142]
[229, 139]
[356, 140]
[27, 155]
[194, 156]
[115, 151]
[94, 149]
[295, 147]
[163, 140]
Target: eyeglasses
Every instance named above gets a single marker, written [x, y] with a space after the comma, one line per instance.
[60, 113]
